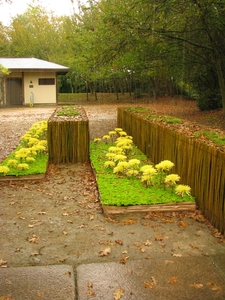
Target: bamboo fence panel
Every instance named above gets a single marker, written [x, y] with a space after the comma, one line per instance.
[68, 140]
[200, 166]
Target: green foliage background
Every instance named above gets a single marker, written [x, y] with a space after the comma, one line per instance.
[134, 46]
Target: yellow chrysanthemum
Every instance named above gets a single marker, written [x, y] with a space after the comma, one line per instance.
[120, 157]
[110, 155]
[113, 132]
[12, 162]
[4, 169]
[109, 163]
[23, 166]
[134, 161]
[182, 189]
[106, 137]
[131, 172]
[97, 140]
[172, 178]
[30, 159]
[123, 164]
[164, 165]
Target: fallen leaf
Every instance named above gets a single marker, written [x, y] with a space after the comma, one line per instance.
[173, 279]
[177, 255]
[154, 281]
[90, 292]
[148, 243]
[148, 285]
[169, 261]
[159, 237]
[35, 254]
[214, 286]
[119, 242]
[145, 224]
[129, 221]
[101, 228]
[124, 259]
[197, 285]
[2, 262]
[34, 239]
[69, 221]
[167, 220]
[182, 224]
[105, 252]
[6, 297]
[118, 294]
[61, 259]
[8, 282]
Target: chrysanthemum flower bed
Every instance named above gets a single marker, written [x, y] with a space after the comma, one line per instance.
[31, 156]
[126, 177]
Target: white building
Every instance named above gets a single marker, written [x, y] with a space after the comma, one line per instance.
[30, 80]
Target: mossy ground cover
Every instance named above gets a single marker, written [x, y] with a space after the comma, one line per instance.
[120, 190]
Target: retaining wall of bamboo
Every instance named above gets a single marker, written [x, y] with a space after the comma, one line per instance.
[68, 140]
[200, 166]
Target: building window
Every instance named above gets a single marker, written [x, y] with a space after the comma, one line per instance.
[46, 81]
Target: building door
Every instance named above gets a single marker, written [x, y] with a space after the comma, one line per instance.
[14, 94]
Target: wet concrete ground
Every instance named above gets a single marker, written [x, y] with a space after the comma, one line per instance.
[59, 223]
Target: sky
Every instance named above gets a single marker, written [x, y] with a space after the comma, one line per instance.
[59, 7]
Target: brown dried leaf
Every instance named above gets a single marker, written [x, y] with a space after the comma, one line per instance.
[154, 281]
[118, 294]
[197, 285]
[2, 262]
[105, 252]
[129, 221]
[148, 284]
[159, 237]
[169, 261]
[182, 224]
[124, 259]
[6, 297]
[34, 239]
[119, 242]
[148, 243]
[173, 279]
[177, 255]
[214, 286]
[61, 259]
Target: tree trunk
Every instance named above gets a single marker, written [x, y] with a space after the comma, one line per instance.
[154, 88]
[221, 81]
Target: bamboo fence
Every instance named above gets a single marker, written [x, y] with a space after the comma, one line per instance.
[68, 140]
[200, 166]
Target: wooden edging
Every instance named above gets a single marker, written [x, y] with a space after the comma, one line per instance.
[23, 178]
[117, 210]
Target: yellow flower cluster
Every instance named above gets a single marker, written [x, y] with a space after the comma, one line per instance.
[119, 162]
[182, 189]
[4, 169]
[33, 142]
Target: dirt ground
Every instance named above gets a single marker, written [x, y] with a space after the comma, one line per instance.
[59, 220]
